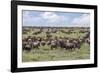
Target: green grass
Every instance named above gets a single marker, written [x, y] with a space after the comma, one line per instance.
[45, 54]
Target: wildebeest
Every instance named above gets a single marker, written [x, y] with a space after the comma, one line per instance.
[87, 40]
[65, 42]
[37, 32]
[35, 44]
[54, 44]
[26, 46]
[43, 42]
[77, 43]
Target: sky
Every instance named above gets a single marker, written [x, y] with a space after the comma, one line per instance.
[55, 19]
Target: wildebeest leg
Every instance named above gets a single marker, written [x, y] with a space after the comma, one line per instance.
[51, 47]
[71, 49]
[78, 46]
[66, 48]
[37, 47]
[74, 47]
[28, 49]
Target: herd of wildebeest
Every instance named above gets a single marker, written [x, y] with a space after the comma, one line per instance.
[32, 41]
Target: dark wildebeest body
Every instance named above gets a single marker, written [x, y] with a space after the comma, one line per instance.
[77, 44]
[54, 44]
[43, 43]
[87, 40]
[37, 32]
[26, 46]
[35, 44]
[48, 42]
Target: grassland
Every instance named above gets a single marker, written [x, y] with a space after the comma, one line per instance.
[46, 54]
